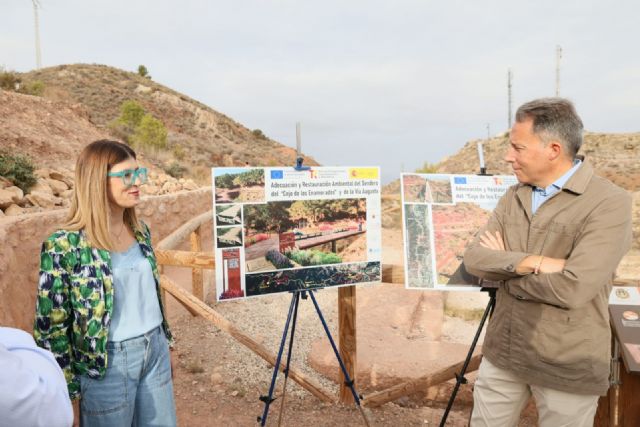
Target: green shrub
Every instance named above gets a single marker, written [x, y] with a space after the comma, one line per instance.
[312, 257]
[143, 72]
[18, 169]
[35, 88]
[131, 114]
[9, 80]
[178, 152]
[150, 133]
[176, 170]
[277, 259]
[258, 134]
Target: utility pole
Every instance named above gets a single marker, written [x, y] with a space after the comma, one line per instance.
[558, 56]
[488, 131]
[36, 5]
[509, 78]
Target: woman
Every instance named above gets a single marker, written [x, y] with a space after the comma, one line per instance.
[98, 307]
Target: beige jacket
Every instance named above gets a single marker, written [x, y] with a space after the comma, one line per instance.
[553, 329]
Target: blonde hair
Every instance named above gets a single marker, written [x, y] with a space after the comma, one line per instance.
[90, 204]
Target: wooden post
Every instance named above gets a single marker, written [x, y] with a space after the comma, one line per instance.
[347, 344]
[197, 285]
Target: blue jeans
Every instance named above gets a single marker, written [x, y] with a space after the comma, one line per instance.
[136, 389]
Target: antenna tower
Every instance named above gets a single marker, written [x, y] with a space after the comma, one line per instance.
[509, 78]
[36, 5]
[558, 56]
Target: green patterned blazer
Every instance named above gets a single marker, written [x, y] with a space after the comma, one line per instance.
[75, 302]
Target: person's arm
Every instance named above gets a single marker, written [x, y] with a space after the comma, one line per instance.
[603, 241]
[53, 308]
[33, 390]
[493, 263]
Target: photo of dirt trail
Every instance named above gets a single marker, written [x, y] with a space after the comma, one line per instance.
[239, 185]
[418, 246]
[414, 188]
[438, 190]
[454, 227]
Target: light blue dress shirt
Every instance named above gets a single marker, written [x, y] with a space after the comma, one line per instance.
[136, 310]
[33, 391]
[541, 195]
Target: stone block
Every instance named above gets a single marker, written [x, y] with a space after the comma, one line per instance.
[44, 200]
[42, 186]
[57, 186]
[13, 210]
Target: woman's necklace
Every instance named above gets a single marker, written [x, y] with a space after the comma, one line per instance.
[118, 235]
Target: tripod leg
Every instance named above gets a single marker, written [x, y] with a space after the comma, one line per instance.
[460, 379]
[269, 398]
[349, 381]
[286, 370]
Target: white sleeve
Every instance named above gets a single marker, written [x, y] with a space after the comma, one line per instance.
[33, 391]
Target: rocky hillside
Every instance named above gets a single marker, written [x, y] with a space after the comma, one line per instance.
[207, 137]
[52, 134]
[615, 156]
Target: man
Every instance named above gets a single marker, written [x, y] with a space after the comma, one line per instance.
[554, 241]
[33, 391]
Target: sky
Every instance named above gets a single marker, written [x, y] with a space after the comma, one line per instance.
[373, 83]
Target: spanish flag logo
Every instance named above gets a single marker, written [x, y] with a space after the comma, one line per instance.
[363, 173]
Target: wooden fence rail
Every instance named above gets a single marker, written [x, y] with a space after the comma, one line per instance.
[193, 302]
[202, 309]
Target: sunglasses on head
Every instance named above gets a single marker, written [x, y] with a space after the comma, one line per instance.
[129, 176]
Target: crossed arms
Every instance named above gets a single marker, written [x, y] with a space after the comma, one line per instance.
[602, 240]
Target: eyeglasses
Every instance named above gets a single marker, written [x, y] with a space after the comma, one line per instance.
[129, 176]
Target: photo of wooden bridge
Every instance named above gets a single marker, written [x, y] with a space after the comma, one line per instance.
[283, 235]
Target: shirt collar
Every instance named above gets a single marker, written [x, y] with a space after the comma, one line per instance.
[560, 182]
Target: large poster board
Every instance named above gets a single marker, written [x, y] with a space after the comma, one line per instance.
[441, 215]
[279, 229]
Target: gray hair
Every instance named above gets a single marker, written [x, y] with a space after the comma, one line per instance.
[554, 119]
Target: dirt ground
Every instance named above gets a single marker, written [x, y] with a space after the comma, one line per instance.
[218, 382]
[209, 393]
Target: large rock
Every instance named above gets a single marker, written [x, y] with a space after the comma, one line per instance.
[13, 210]
[10, 195]
[43, 173]
[66, 177]
[57, 186]
[42, 186]
[67, 194]
[44, 200]
[6, 199]
[4, 182]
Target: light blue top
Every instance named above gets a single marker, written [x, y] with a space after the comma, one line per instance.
[135, 303]
[33, 391]
[541, 195]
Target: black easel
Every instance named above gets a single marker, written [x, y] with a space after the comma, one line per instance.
[293, 309]
[488, 312]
